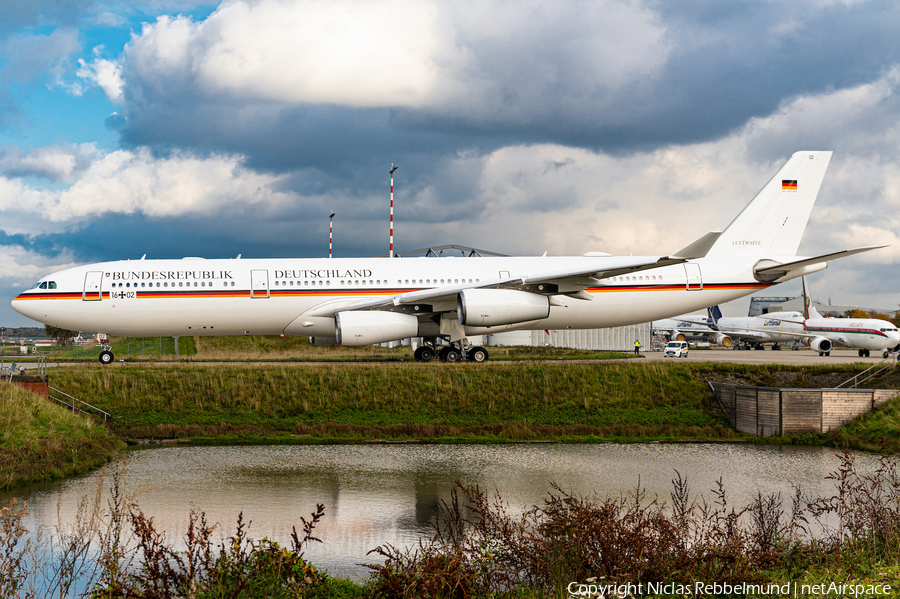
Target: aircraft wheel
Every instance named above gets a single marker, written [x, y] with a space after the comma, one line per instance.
[862, 353]
[828, 353]
[821, 353]
[450, 355]
[886, 354]
[867, 353]
[424, 354]
[106, 357]
[478, 354]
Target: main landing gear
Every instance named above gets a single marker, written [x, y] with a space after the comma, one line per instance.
[106, 356]
[457, 351]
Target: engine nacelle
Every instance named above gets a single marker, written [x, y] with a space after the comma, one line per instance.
[368, 328]
[494, 307]
[820, 344]
[724, 340]
[678, 336]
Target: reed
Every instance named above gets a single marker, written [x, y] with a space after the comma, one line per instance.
[482, 548]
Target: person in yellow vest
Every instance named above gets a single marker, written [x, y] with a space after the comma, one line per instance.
[637, 346]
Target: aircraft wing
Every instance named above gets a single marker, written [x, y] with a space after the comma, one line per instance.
[570, 282]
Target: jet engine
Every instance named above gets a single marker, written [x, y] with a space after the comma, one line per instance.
[678, 336]
[723, 340]
[820, 344]
[494, 307]
[368, 328]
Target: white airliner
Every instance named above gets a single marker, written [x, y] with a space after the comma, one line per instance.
[684, 328]
[363, 301]
[821, 334]
[775, 328]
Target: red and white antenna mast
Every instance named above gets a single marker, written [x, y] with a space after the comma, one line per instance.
[330, 232]
[393, 168]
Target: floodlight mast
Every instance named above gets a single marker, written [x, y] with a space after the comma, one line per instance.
[393, 168]
[330, 232]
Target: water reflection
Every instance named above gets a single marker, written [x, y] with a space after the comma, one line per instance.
[376, 494]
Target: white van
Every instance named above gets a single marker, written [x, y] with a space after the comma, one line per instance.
[676, 349]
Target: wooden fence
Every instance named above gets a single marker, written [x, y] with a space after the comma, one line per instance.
[767, 411]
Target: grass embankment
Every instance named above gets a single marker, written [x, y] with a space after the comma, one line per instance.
[632, 401]
[43, 441]
[502, 401]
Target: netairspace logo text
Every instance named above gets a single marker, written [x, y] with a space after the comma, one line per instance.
[593, 590]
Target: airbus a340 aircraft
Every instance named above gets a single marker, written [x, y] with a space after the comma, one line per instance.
[818, 332]
[362, 301]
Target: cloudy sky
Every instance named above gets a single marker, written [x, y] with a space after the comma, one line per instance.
[178, 128]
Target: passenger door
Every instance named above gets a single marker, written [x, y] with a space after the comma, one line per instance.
[92, 282]
[259, 284]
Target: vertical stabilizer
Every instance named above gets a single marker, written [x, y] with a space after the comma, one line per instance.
[714, 314]
[809, 310]
[774, 221]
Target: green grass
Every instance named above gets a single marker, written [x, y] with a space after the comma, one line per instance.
[511, 400]
[41, 440]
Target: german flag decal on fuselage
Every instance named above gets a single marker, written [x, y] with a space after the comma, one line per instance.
[788, 185]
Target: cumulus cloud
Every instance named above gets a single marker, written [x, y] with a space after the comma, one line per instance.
[126, 182]
[399, 53]
[107, 74]
[19, 268]
[55, 163]
[29, 56]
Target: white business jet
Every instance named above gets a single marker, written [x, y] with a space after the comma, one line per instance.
[363, 301]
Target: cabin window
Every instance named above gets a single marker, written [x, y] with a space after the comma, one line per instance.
[129, 284]
[180, 283]
[157, 284]
[203, 284]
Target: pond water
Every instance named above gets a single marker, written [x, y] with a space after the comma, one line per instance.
[377, 494]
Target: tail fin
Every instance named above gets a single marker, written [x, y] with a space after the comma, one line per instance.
[774, 221]
[809, 310]
[714, 314]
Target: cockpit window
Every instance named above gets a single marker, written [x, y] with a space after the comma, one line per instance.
[51, 285]
[44, 285]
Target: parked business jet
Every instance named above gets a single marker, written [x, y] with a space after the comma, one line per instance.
[811, 328]
[363, 301]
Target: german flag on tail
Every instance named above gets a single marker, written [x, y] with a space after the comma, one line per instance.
[788, 185]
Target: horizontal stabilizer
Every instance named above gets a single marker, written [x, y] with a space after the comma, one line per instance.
[779, 270]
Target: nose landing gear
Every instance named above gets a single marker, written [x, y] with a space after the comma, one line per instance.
[106, 356]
